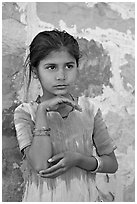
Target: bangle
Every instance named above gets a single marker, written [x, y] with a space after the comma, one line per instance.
[42, 132]
[99, 164]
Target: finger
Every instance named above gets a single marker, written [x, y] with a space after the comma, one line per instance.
[75, 105]
[53, 174]
[56, 158]
[51, 169]
[71, 103]
[54, 108]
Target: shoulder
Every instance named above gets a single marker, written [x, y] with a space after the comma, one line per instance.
[23, 107]
[26, 109]
[88, 105]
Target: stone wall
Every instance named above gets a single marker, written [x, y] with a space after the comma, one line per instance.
[105, 32]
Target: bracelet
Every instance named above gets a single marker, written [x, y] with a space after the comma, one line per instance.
[99, 164]
[42, 132]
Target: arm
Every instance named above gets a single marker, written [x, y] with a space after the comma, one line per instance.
[104, 145]
[64, 161]
[104, 148]
[41, 148]
[110, 164]
[36, 149]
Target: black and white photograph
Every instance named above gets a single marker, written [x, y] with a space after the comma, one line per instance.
[68, 101]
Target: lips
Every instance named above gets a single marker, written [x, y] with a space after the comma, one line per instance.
[61, 86]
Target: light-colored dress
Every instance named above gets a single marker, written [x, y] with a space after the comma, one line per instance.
[79, 132]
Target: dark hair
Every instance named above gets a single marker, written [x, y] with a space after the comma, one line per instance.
[48, 41]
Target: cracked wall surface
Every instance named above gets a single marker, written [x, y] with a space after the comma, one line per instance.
[105, 32]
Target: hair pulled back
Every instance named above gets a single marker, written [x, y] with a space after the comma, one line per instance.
[48, 41]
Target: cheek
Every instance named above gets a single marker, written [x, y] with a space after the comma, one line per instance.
[43, 79]
[74, 75]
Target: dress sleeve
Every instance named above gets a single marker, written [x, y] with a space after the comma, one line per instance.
[24, 126]
[101, 139]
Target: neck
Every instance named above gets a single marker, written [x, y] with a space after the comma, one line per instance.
[49, 96]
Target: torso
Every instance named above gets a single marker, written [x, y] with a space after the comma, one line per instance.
[73, 133]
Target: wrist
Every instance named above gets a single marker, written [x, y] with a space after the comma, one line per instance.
[79, 159]
[94, 163]
[88, 163]
[99, 165]
[41, 108]
[41, 118]
[44, 131]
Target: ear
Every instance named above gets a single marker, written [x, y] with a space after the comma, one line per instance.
[35, 72]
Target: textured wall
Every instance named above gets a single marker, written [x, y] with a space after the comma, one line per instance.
[105, 32]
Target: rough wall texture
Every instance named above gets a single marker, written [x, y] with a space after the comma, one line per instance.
[105, 32]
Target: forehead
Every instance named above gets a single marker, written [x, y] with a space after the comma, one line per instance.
[59, 56]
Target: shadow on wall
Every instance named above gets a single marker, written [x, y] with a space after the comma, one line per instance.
[12, 182]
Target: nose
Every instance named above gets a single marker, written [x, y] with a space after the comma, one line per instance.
[61, 75]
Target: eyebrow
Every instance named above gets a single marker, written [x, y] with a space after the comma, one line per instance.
[55, 63]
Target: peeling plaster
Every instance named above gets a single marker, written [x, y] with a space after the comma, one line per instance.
[37, 25]
[13, 37]
[127, 10]
[128, 73]
[10, 10]
[100, 15]
[118, 45]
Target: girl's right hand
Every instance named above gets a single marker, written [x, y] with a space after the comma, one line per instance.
[54, 103]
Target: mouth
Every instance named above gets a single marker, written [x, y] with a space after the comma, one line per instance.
[61, 86]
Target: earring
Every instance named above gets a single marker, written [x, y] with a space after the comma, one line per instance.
[35, 76]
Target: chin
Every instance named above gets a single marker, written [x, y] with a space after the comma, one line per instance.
[61, 92]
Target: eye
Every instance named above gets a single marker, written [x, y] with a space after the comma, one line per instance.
[69, 66]
[51, 67]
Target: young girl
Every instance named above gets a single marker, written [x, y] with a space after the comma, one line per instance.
[57, 133]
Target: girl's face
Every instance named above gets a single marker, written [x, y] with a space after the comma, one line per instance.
[57, 73]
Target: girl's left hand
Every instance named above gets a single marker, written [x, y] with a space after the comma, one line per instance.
[60, 164]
